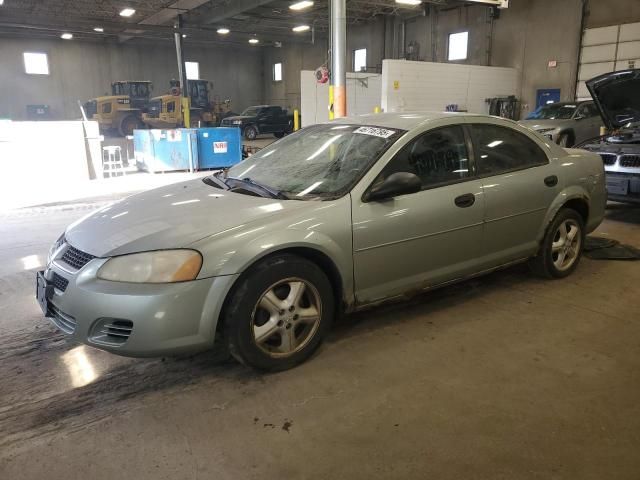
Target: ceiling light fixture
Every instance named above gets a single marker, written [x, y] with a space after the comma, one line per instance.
[409, 2]
[254, 41]
[301, 28]
[127, 12]
[66, 36]
[301, 5]
[98, 29]
[184, 35]
[223, 31]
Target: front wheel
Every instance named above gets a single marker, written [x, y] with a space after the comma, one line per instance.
[128, 124]
[250, 132]
[564, 140]
[279, 314]
[561, 247]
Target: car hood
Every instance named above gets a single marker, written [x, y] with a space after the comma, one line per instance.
[170, 217]
[617, 96]
[239, 117]
[540, 124]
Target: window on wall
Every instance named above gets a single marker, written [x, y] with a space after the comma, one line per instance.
[36, 63]
[277, 72]
[193, 70]
[360, 60]
[458, 46]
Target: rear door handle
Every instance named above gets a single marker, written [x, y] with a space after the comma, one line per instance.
[466, 200]
[551, 181]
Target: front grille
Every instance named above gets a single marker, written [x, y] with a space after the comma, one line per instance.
[111, 331]
[630, 161]
[76, 258]
[609, 158]
[64, 322]
[60, 283]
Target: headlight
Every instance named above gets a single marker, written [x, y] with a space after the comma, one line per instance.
[54, 248]
[237, 122]
[162, 266]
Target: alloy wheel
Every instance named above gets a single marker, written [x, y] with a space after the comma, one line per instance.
[566, 244]
[286, 317]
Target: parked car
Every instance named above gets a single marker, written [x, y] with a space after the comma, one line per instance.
[566, 123]
[617, 96]
[333, 218]
[261, 119]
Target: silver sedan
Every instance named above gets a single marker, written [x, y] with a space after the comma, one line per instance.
[333, 218]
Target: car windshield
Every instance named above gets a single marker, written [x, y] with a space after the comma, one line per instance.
[554, 111]
[317, 162]
[251, 111]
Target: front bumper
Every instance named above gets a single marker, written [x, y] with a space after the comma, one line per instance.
[623, 187]
[137, 320]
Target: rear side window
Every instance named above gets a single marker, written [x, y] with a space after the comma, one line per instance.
[501, 149]
[106, 108]
[438, 157]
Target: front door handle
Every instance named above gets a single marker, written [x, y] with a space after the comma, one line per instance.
[466, 200]
[551, 181]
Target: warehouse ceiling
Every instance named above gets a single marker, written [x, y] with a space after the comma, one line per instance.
[269, 20]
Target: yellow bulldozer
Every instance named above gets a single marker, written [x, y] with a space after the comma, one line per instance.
[166, 111]
[121, 112]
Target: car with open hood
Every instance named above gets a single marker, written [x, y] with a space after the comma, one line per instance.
[566, 123]
[334, 218]
[617, 96]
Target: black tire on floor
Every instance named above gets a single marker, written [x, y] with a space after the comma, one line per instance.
[543, 263]
[238, 322]
[279, 134]
[250, 132]
[128, 124]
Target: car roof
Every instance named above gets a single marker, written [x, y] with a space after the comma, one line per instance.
[402, 120]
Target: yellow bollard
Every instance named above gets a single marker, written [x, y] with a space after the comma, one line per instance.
[186, 111]
[376, 110]
[296, 120]
[331, 114]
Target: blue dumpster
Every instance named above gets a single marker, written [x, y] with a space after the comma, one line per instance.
[219, 147]
[166, 150]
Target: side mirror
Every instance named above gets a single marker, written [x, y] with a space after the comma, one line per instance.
[400, 183]
[580, 117]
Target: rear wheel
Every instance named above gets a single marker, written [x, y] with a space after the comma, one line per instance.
[279, 314]
[561, 248]
[250, 132]
[279, 134]
[565, 140]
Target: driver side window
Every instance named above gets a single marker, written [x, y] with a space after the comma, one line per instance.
[438, 157]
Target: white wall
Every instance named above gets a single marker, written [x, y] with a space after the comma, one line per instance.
[363, 96]
[413, 86]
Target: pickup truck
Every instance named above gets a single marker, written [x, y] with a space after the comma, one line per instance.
[261, 119]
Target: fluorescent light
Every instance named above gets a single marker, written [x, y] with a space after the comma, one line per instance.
[301, 28]
[301, 5]
[127, 12]
[254, 41]
[66, 36]
[98, 29]
[495, 143]
[223, 31]
[409, 2]
[184, 35]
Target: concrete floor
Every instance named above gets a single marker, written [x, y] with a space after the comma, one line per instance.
[504, 377]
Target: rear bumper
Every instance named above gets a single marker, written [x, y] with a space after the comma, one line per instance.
[159, 319]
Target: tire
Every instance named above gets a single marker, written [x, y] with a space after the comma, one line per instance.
[279, 134]
[127, 125]
[565, 140]
[250, 132]
[557, 258]
[263, 304]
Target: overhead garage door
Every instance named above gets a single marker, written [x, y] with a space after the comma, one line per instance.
[607, 49]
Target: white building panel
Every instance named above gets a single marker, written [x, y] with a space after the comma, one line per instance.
[598, 53]
[590, 70]
[629, 32]
[413, 86]
[599, 36]
[628, 50]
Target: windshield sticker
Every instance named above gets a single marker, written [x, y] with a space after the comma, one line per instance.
[375, 132]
